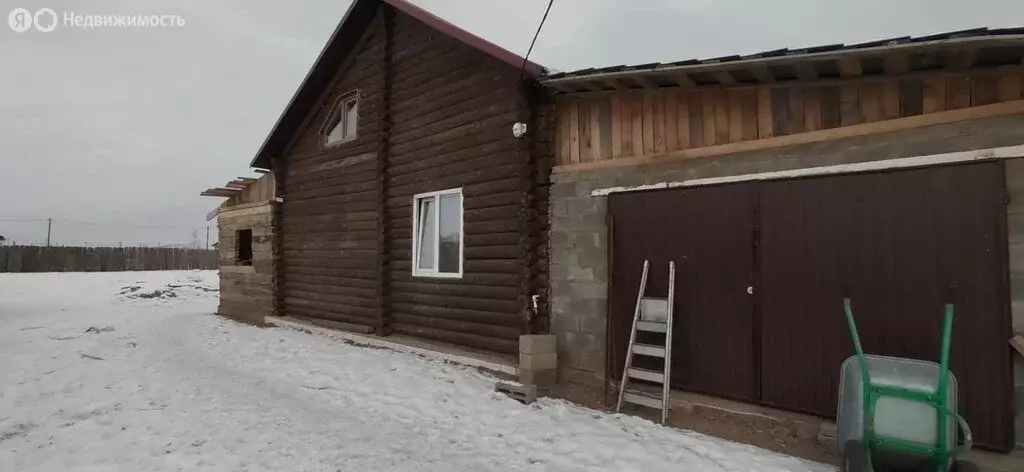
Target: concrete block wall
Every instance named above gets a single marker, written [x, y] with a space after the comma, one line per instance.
[1015, 236]
[579, 269]
[579, 233]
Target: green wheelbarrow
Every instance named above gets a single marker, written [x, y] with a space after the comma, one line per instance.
[900, 414]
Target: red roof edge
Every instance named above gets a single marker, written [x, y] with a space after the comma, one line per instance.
[481, 44]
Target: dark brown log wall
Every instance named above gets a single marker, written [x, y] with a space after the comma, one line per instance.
[435, 114]
[329, 214]
[543, 136]
[452, 111]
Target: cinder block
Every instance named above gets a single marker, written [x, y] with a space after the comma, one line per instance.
[559, 239]
[595, 323]
[827, 437]
[588, 307]
[537, 343]
[586, 240]
[579, 343]
[587, 361]
[591, 258]
[560, 208]
[1015, 171]
[542, 378]
[589, 290]
[545, 361]
[581, 274]
[1015, 227]
[584, 378]
[1017, 308]
[1016, 256]
[559, 269]
[524, 393]
[561, 191]
[1017, 285]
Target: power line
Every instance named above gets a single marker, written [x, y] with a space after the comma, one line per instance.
[526, 58]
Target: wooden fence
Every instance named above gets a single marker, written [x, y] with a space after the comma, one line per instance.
[102, 259]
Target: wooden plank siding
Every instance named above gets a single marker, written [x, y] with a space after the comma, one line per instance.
[261, 190]
[434, 114]
[640, 120]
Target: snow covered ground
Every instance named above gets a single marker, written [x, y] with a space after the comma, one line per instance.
[130, 372]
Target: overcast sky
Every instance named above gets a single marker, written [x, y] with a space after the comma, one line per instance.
[122, 128]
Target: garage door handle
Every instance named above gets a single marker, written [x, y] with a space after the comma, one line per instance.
[750, 290]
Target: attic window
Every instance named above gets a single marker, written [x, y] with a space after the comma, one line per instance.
[343, 121]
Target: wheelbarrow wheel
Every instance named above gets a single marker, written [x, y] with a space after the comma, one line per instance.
[854, 457]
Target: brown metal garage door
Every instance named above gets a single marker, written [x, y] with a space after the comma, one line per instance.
[895, 242]
[707, 232]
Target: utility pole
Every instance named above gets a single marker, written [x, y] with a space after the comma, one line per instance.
[49, 226]
[207, 237]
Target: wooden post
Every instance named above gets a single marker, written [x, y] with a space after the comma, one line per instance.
[277, 242]
[49, 225]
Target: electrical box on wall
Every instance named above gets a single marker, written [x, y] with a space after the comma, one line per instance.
[519, 130]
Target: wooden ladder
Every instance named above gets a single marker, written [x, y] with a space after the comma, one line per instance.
[653, 315]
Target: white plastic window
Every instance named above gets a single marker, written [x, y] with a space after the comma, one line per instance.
[344, 121]
[437, 234]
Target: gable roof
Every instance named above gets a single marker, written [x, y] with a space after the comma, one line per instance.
[340, 45]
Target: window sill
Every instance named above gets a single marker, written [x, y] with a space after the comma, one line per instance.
[340, 143]
[441, 275]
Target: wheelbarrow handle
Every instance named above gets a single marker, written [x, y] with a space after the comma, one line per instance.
[968, 437]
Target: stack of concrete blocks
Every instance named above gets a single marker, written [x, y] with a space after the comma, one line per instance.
[538, 360]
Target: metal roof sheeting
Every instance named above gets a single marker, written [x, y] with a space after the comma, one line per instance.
[876, 46]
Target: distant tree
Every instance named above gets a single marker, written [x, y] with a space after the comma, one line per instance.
[194, 243]
[3, 240]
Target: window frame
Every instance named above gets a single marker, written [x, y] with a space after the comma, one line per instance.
[436, 196]
[337, 117]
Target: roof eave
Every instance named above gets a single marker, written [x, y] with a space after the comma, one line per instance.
[261, 160]
[754, 61]
[532, 69]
